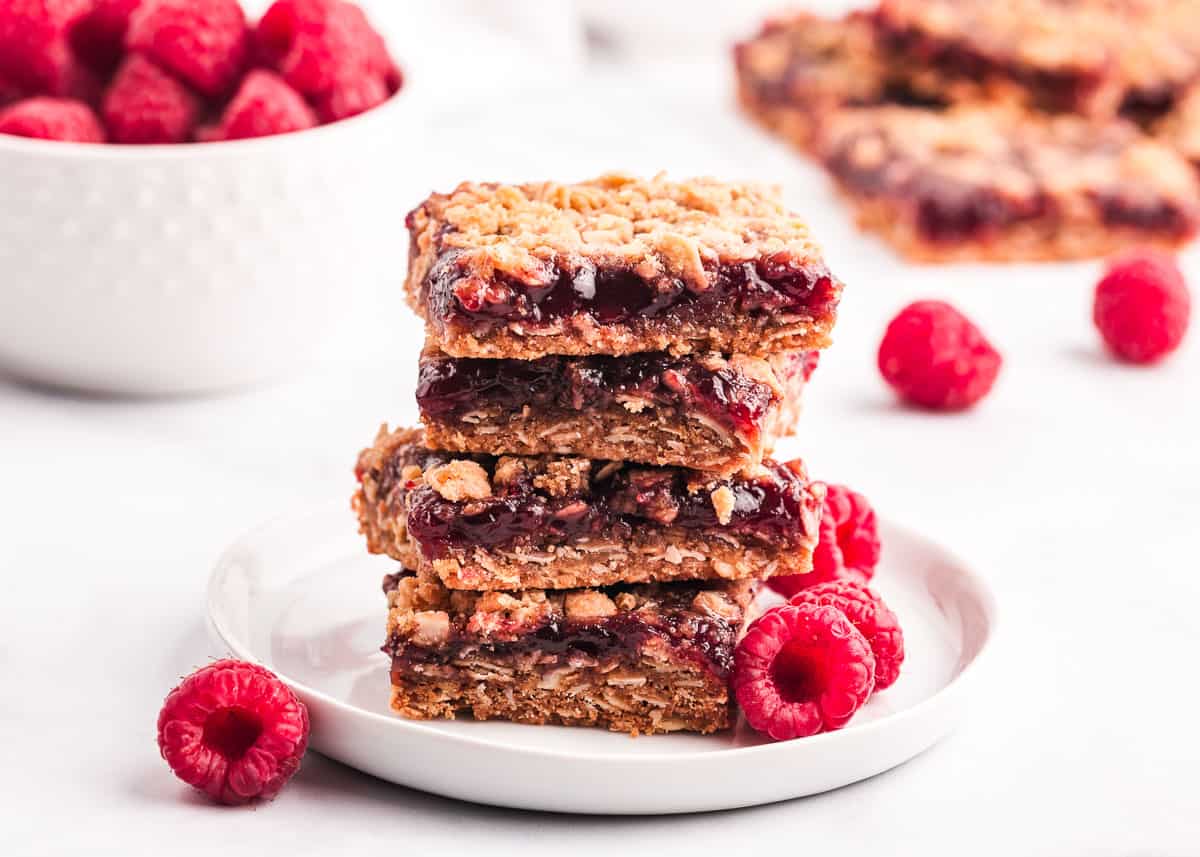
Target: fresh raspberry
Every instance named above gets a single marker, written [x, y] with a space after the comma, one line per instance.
[848, 547]
[144, 104]
[99, 36]
[233, 730]
[204, 42]
[873, 619]
[350, 97]
[317, 44]
[379, 59]
[1142, 306]
[802, 669]
[936, 358]
[264, 105]
[52, 119]
[35, 54]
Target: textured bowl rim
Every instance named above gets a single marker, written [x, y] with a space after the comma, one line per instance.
[103, 152]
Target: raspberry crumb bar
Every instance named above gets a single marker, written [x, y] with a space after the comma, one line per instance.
[704, 411]
[638, 659]
[1093, 57]
[1003, 184]
[480, 522]
[616, 265]
[800, 69]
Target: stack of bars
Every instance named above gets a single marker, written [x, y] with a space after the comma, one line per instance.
[583, 519]
[994, 129]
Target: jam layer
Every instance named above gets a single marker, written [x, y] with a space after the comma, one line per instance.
[619, 296]
[712, 387]
[667, 612]
[528, 504]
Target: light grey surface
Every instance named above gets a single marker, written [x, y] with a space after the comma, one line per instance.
[1073, 487]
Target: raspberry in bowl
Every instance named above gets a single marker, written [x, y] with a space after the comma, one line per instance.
[181, 218]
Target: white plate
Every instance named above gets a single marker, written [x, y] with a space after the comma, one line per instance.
[302, 597]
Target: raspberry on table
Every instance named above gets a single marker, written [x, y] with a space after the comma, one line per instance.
[52, 119]
[98, 38]
[1142, 306]
[318, 44]
[802, 669]
[234, 731]
[204, 42]
[145, 104]
[263, 105]
[871, 616]
[848, 547]
[35, 53]
[934, 357]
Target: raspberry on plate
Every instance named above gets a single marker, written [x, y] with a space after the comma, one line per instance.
[848, 548]
[934, 357]
[264, 105]
[802, 669]
[1142, 306]
[52, 119]
[144, 104]
[99, 37]
[318, 44]
[35, 55]
[233, 730]
[874, 620]
[204, 42]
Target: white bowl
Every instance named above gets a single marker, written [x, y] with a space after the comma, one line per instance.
[195, 267]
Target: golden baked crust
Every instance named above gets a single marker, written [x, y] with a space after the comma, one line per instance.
[485, 245]
[998, 183]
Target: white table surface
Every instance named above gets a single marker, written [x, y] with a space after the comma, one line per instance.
[1073, 487]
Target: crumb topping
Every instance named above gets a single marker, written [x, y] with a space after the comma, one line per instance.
[653, 226]
[1139, 46]
[459, 480]
[723, 502]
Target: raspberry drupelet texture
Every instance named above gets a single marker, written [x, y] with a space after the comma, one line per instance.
[319, 44]
[349, 96]
[233, 730]
[52, 119]
[35, 52]
[145, 104]
[1142, 306]
[848, 548]
[204, 42]
[871, 616]
[264, 105]
[934, 357]
[802, 669]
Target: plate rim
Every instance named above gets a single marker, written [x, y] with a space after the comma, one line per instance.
[976, 581]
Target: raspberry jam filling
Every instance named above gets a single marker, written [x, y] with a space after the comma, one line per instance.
[621, 296]
[449, 387]
[772, 508]
[708, 640]
[1054, 91]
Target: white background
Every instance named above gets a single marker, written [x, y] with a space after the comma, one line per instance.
[1073, 487]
